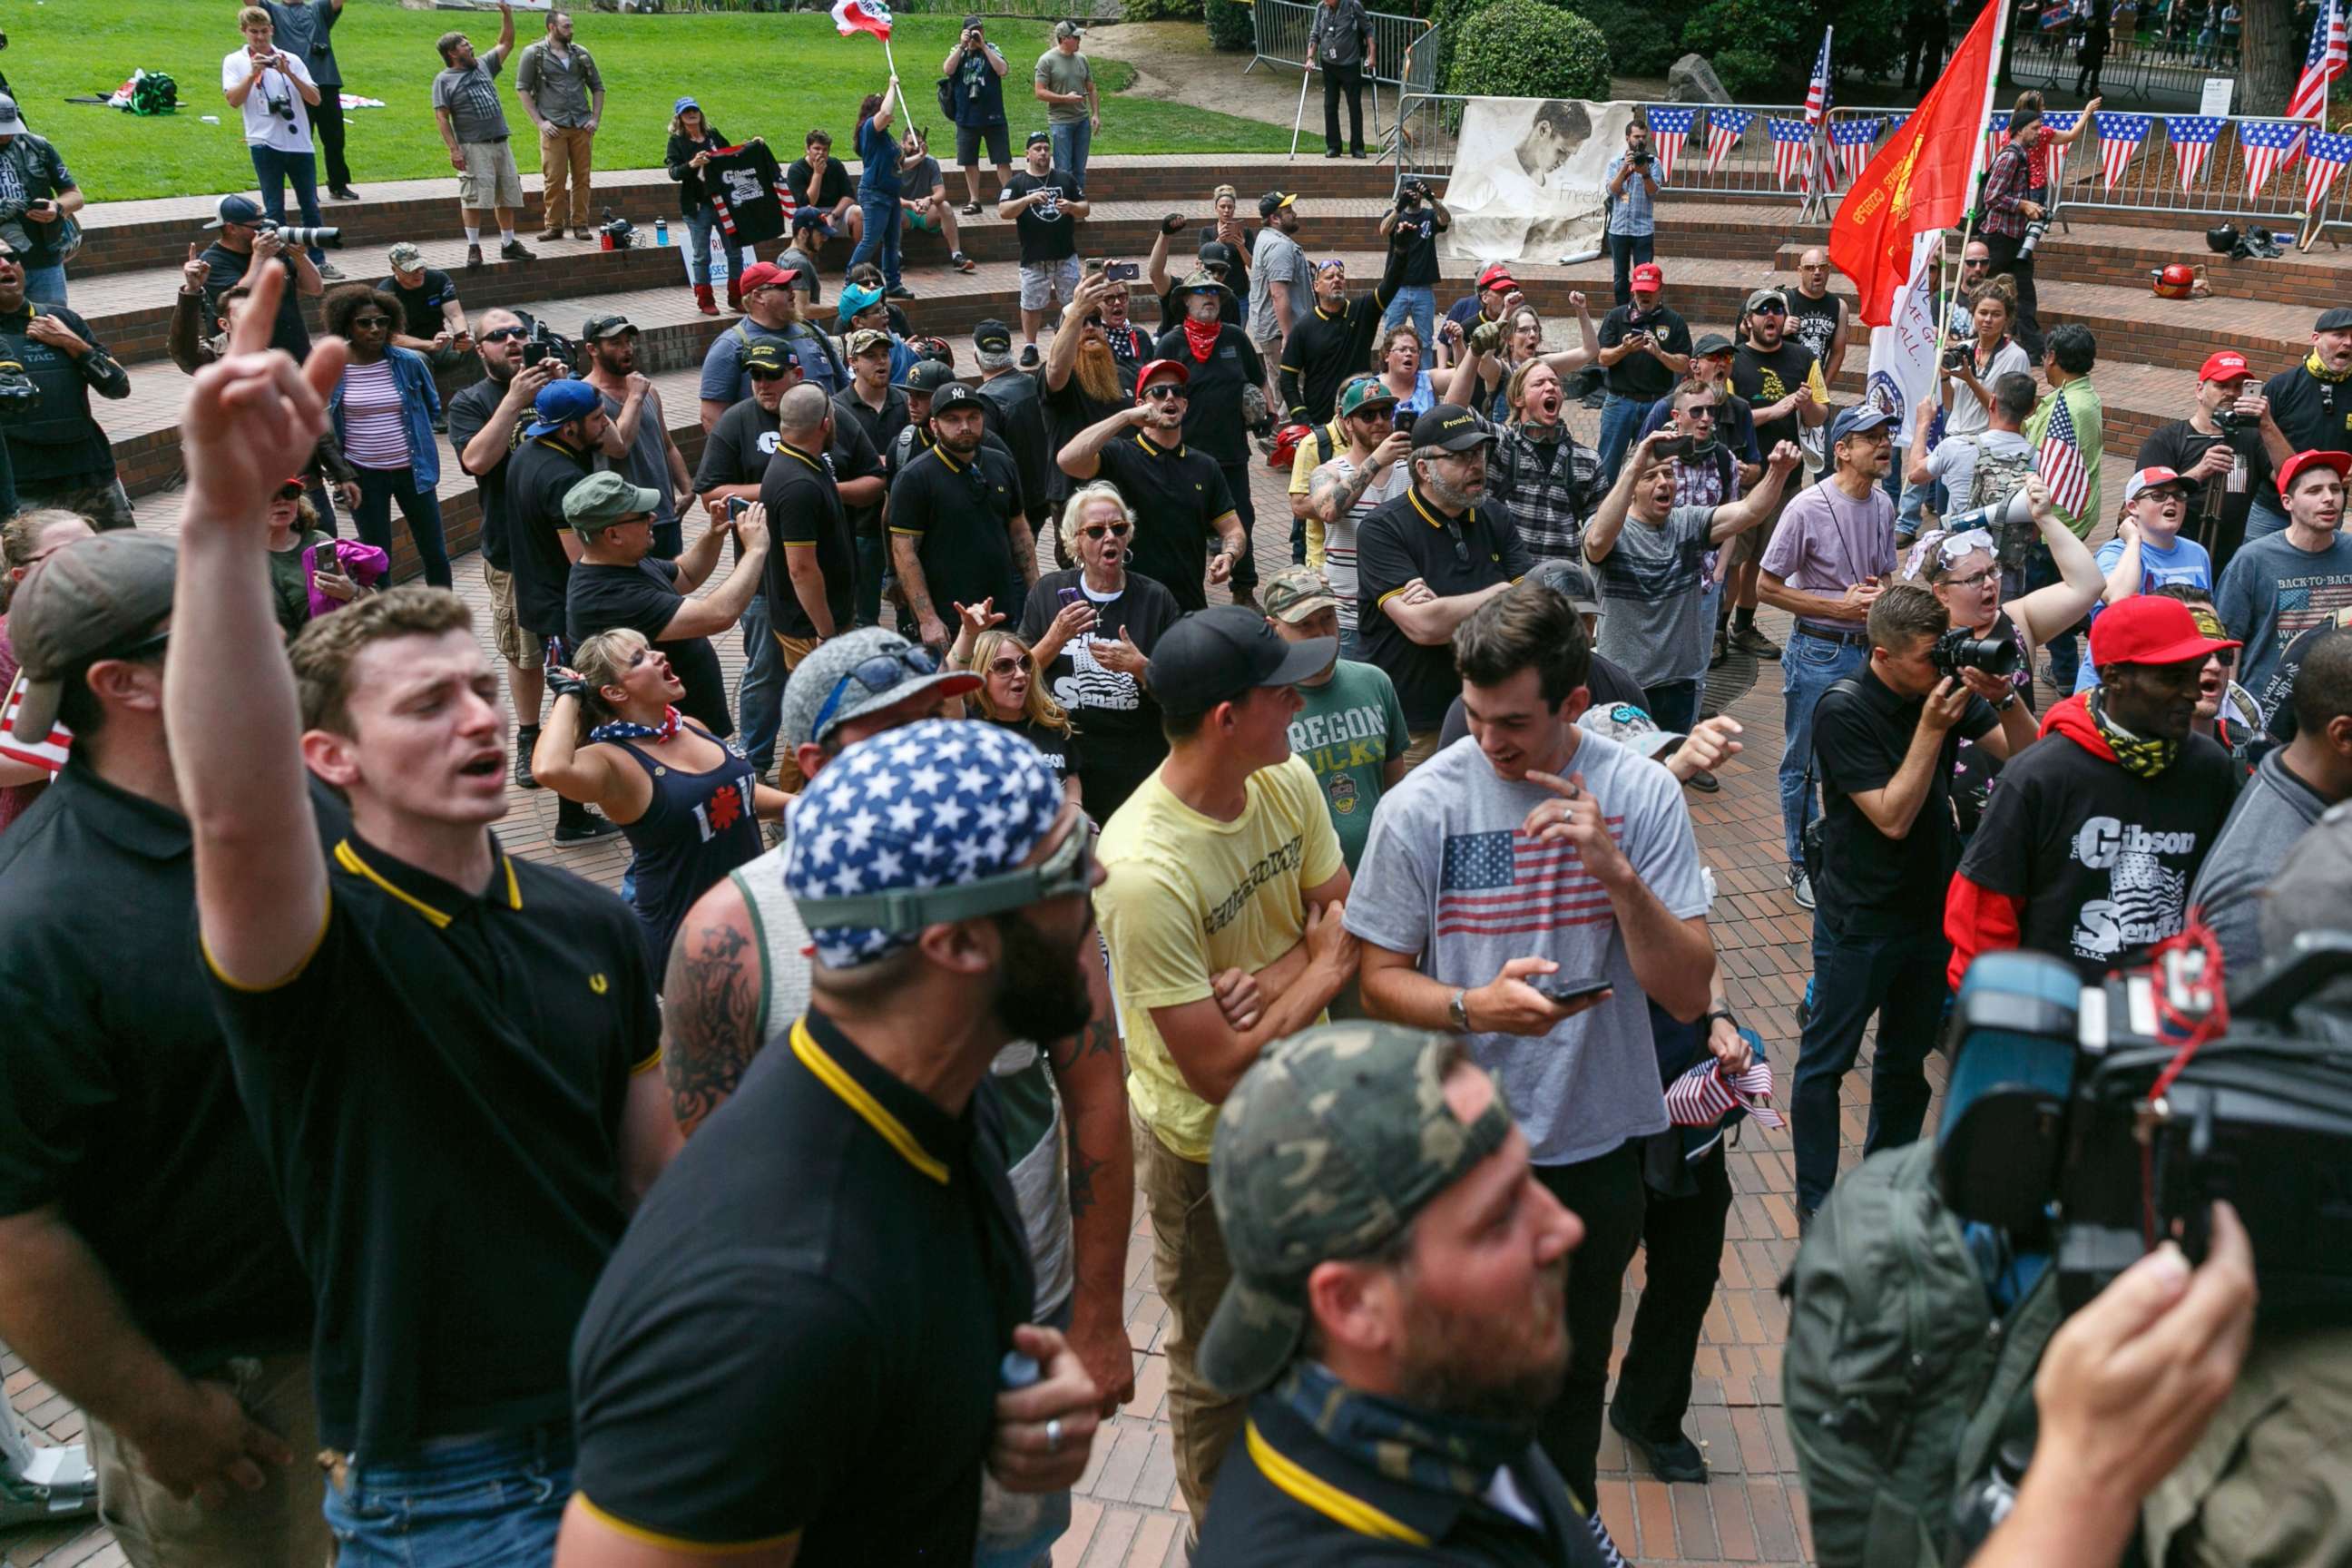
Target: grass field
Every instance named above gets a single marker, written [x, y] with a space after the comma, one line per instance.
[773, 75]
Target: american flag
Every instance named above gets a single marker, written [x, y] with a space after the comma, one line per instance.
[2120, 136]
[2058, 13]
[2329, 154]
[1701, 1095]
[2059, 120]
[1507, 884]
[1818, 97]
[1725, 127]
[2193, 136]
[1850, 140]
[1996, 138]
[1792, 142]
[1669, 129]
[2269, 145]
[2060, 460]
[49, 752]
[2322, 63]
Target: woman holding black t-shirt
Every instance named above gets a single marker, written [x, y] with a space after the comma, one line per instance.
[693, 142]
[688, 802]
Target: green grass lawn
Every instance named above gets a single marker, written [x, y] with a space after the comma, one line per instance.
[773, 75]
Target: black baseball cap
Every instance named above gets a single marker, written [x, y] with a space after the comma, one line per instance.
[954, 394]
[928, 376]
[1452, 427]
[241, 210]
[610, 326]
[992, 337]
[1222, 653]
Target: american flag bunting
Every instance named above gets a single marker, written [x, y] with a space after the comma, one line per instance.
[2329, 154]
[2120, 136]
[2060, 460]
[1850, 144]
[1792, 142]
[2269, 145]
[2192, 137]
[2059, 120]
[2323, 62]
[1725, 127]
[1669, 129]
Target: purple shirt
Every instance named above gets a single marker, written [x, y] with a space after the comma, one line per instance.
[1827, 542]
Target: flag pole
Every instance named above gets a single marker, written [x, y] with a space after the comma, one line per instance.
[1976, 159]
[906, 114]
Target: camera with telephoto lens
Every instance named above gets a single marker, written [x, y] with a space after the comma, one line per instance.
[2035, 229]
[297, 237]
[1959, 648]
[20, 398]
[2076, 1121]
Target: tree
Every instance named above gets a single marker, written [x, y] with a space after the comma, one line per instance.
[2274, 48]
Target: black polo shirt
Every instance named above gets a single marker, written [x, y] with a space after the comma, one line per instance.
[2312, 413]
[803, 502]
[645, 599]
[957, 513]
[1213, 414]
[1289, 1497]
[801, 1334]
[1881, 885]
[878, 427]
[116, 1100]
[1178, 499]
[539, 476]
[437, 1092]
[1410, 538]
[1639, 374]
[469, 410]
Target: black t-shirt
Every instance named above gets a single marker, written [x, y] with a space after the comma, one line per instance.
[227, 271]
[1213, 418]
[1421, 262]
[1115, 712]
[1410, 538]
[420, 307]
[1177, 498]
[468, 411]
[437, 1094]
[2100, 859]
[1068, 411]
[116, 1100]
[2313, 414]
[1813, 323]
[801, 1332]
[1763, 378]
[830, 188]
[1607, 680]
[1060, 748]
[2217, 513]
[645, 599]
[539, 476]
[957, 513]
[1879, 886]
[804, 510]
[1639, 374]
[736, 450]
[1011, 409]
[1047, 233]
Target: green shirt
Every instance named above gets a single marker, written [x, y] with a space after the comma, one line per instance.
[2083, 406]
[289, 582]
[1351, 728]
[1059, 73]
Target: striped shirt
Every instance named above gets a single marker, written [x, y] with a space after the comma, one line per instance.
[375, 431]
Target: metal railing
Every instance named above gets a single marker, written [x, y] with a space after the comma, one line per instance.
[2134, 71]
[1284, 25]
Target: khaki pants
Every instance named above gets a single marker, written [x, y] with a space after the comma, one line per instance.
[564, 155]
[789, 777]
[1189, 1265]
[1423, 746]
[280, 1526]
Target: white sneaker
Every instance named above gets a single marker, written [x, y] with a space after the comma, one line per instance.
[1800, 888]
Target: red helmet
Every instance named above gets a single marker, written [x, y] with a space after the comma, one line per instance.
[2173, 282]
[1286, 447]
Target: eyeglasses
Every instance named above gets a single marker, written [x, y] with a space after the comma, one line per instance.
[877, 675]
[1164, 393]
[501, 335]
[1006, 665]
[1974, 579]
[1096, 530]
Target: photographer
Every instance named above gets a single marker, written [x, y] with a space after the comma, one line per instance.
[2229, 450]
[1422, 217]
[245, 237]
[1884, 745]
[198, 335]
[1645, 349]
[1631, 182]
[61, 457]
[1975, 367]
[307, 28]
[274, 90]
[2007, 214]
[36, 216]
[976, 68]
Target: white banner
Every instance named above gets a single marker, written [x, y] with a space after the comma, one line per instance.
[1902, 353]
[1526, 182]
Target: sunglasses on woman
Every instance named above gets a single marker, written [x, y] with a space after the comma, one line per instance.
[1006, 665]
[371, 323]
[1096, 530]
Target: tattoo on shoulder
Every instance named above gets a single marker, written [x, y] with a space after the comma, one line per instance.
[710, 1005]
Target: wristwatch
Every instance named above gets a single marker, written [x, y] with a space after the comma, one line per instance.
[1457, 1010]
[2006, 703]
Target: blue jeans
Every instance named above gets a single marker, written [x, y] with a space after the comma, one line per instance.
[1710, 603]
[379, 488]
[2066, 653]
[882, 214]
[45, 285]
[493, 1503]
[1621, 420]
[1072, 142]
[273, 168]
[1417, 303]
[1901, 979]
[759, 700]
[2261, 520]
[1908, 504]
[1627, 251]
[1811, 666]
[700, 224]
[1673, 705]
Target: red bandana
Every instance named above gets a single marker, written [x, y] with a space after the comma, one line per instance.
[1201, 337]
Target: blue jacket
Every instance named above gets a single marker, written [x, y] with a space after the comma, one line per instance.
[418, 404]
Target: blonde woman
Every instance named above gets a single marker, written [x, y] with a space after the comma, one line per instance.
[1012, 691]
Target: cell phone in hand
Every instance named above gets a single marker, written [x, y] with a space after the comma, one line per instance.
[1552, 988]
[1121, 272]
[1674, 447]
[736, 507]
[533, 351]
[1404, 418]
[1069, 596]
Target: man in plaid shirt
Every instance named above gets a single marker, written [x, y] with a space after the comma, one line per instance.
[2002, 220]
[1541, 475]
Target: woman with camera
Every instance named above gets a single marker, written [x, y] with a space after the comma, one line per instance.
[1973, 367]
[382, 411]
[693, 142]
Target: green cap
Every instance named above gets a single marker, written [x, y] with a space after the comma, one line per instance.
[1363, 390]
[1296, 593]
[1327, 1148]
[602, 500]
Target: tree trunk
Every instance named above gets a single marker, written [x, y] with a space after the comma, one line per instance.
[2273, 57]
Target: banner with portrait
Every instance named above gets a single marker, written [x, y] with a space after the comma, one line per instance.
[1528, 178]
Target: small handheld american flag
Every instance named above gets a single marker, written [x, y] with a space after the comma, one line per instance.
[2060, 459]
[48, 751]
[2323, 62]
[1701, 1095]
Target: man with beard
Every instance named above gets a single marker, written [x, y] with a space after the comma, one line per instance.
[1009, 398]
[1085, 380]
[959, 530]
[797, 1352]
[485, 426]
[1544, 956]
[1426, 561]
[653, 460]
[1220, 362]
[1334, 341]
[1046, 204]
[2089, 846]
[1179, 495]
[1402, 1335]
[771, 313]
[1631, 182]
[1781, 382]
[1280, 280]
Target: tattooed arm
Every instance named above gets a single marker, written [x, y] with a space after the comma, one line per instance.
[1086, 1067]
[711, 1005]
[1330, 491]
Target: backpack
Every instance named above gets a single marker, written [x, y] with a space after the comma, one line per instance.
[1994, 479]
[840, 376]
[947, 96]
[1898, 1377]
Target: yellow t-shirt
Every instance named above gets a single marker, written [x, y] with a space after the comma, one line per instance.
[1186, 897]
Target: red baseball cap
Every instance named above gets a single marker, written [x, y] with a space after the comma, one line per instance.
[2150, 629]
[765, 275]
[1647, 279]
[2147, 479]
[2295, 465]
[1497, 276]
[2226, 364]
[1174, 366]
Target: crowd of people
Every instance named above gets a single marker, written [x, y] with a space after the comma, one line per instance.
[1346, 909]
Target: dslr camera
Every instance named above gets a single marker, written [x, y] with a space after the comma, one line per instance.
[295, 236]
[1958, 355]
[20, 398]
[1410, 194]
[2075, 1120]
[1959, 648]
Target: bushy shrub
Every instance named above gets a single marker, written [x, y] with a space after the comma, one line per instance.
[1643, 39]
[1754, 46]
[1523, 49]
[1232, 26]
[1159, 10]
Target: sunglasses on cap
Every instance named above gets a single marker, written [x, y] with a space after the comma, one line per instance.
[1097, 530]
[877, 675]
[501, 335]
[1067, 871]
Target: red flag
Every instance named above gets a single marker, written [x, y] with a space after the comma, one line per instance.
[1920, 179]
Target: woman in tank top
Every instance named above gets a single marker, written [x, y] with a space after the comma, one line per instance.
[688, 802]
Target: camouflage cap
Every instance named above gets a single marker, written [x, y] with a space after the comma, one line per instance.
[1327, 1148]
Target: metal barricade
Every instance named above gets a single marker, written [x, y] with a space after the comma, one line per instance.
[2134, 71]
[1284, 25]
